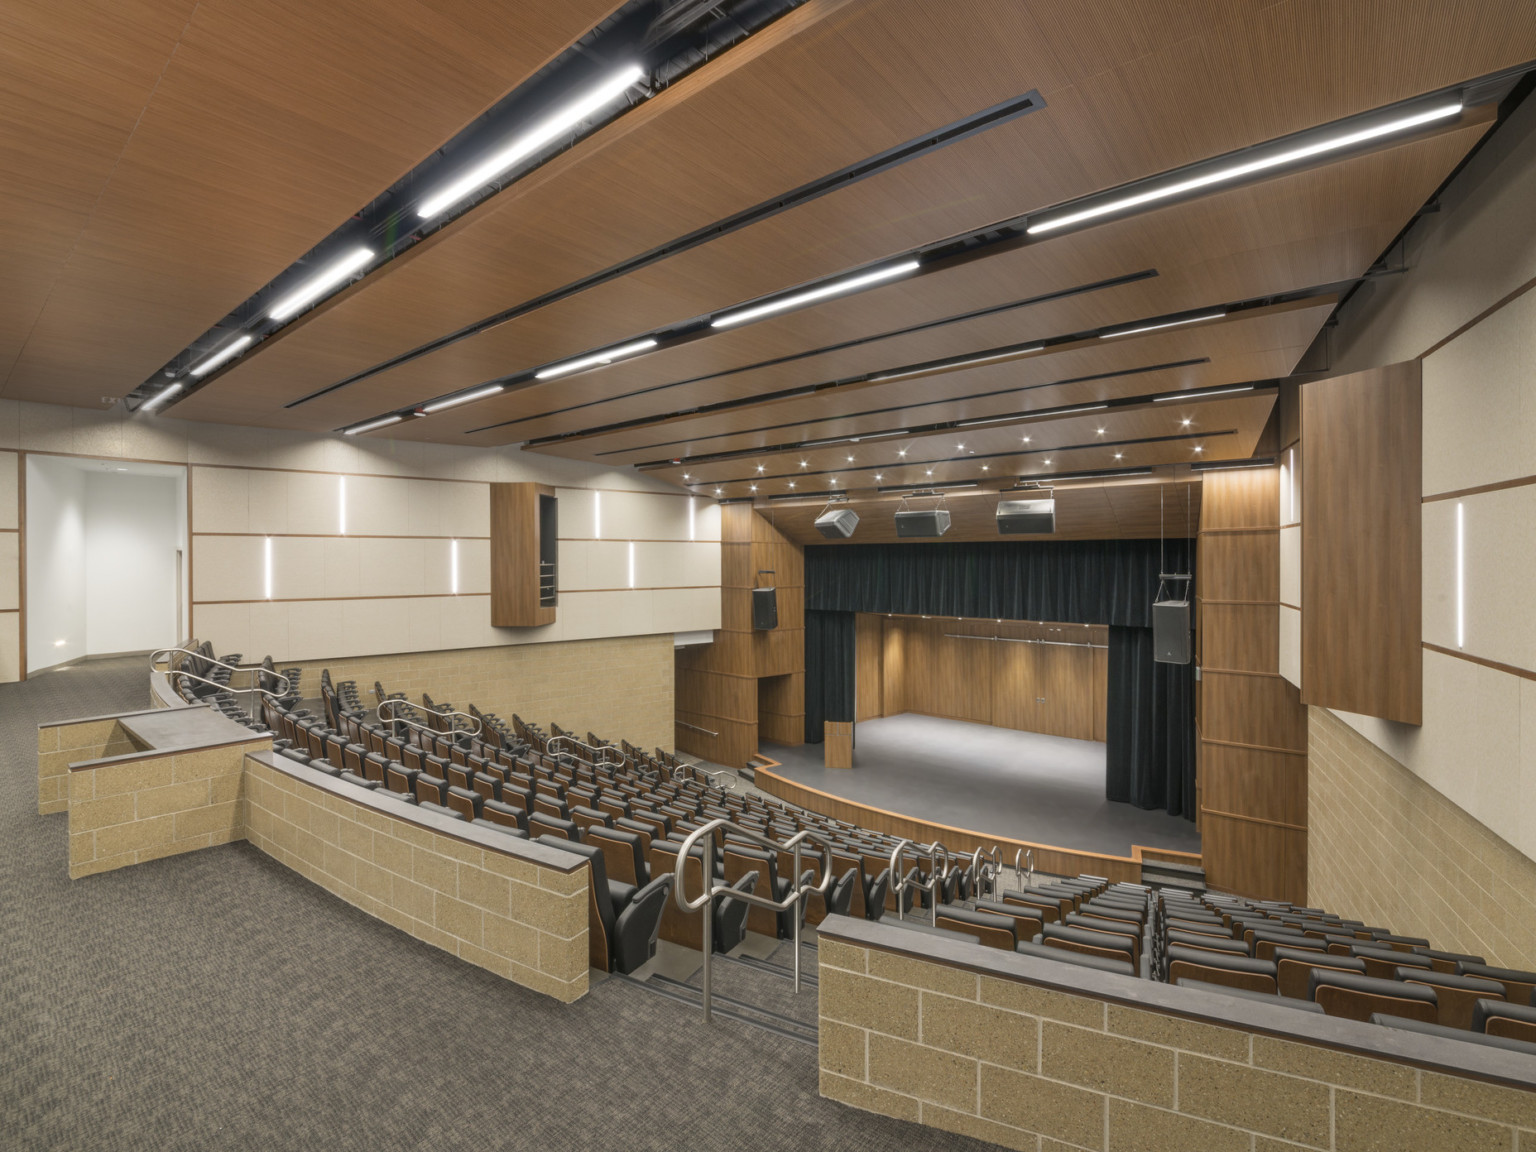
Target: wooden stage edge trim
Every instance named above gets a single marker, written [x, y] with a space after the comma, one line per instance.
[1048, 857]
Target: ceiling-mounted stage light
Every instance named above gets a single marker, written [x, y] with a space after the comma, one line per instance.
[835, 288]
[317, 286]
[381, 422]
[228, 352]
[921, 522]
[1035, 517]
[529, 142]
[1240, 171]
[837, 523]
[596, 359]
[465, 398]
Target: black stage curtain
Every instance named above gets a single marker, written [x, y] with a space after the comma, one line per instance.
[1150, 749]
[829, 657]
[1072, 581]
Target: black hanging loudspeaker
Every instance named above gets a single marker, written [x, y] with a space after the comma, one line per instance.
[1170, 632]
[765, 609]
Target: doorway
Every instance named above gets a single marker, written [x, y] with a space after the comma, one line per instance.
[106, 546]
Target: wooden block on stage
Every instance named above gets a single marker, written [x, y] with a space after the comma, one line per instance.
[838, 735]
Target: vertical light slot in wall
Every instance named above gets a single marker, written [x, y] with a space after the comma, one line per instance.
[631, 563]
[266, 566]
[1461, 576]
[1295, 508]
[453, 567]
[341, 505]
[597, 515]
[690, 518]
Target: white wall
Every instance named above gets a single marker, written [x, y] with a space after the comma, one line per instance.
[382, 583]
[1460, 307]
[56, 617]
[132, 533]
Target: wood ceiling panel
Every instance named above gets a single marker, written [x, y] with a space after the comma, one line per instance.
[271, 124]
[1148, 435]
[1096, 510]
[1258, 345]
[1196, 80]
[1309, 228]
[73, 82]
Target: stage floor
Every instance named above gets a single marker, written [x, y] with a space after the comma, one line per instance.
[1047, 789]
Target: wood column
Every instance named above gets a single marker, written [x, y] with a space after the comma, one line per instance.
[747, 685]
[1251, 723]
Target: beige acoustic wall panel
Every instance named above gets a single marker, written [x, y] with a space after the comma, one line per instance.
[1360, 525]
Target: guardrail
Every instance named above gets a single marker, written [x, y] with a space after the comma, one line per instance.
[393, 719]
[549, 750]
[712, 888]
[254, 670]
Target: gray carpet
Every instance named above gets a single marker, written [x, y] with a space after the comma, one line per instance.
[219, 1001]
[1047, 789]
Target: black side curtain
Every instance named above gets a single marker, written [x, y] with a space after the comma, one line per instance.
[1150, 741]
[1071, 581]
[829, 657]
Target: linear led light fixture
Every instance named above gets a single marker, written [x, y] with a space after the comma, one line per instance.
[381, 422]
[164, 394]
[228, 352]
[1242, 170]
[318, 285]
[566, 118]
[1113, 474]
[1229, 465]
[1032, 415]
[631, 563]
[835, 288]
[341, 505]
[1165, 324]
[929, 489]
[463, 398]
[596, 359]
[1202, 395]
[266, 567]
[951, 365]
[1461, 576]
[453, 567]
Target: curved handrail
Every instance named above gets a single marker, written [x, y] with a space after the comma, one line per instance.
[936, 875]
[980, 871]
[603, 748]
[705, 901]
[165, 654]
[393, 719]
[1018, 871]
[682, 770]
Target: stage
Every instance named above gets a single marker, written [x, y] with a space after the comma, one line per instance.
[996, 781]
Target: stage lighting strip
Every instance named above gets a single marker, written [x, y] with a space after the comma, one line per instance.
[1340, 139]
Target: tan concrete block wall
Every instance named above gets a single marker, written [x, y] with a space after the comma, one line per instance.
[121, 814]
[619, 688]
[1387, 848]
[60, 745]
[1035, 1069]
[521, 921]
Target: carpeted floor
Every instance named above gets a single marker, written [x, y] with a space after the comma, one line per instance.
[219, 1001]
[1047, 789]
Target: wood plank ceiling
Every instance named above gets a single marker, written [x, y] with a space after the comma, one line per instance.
[257, 135]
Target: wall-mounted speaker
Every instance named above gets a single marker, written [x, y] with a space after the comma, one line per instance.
[765, 609]
[1170, 632]
[923, 522]
[1020, 517]
[837, 523]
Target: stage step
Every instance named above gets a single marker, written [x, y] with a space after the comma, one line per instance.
[1166, 874]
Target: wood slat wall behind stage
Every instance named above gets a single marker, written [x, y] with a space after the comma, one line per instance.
[1251, 722]
[907, 664]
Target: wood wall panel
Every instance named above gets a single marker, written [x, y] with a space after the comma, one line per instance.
[869, 666]
[1251, 722]
[781, 708]
[515, 556]
[1242, 636]
[1361, 523]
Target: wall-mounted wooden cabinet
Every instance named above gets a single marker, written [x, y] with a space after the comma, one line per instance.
[525, 529]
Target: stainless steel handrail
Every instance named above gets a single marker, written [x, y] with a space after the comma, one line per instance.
[990, 870]
[393, 719]
[695, 727]
[706, 899]
[553, 740]
[681, 771]
[1018, 872]
[255, 669]
[936, 875]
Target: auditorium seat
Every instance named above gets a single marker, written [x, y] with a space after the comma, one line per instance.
[989, 928]
[1495, 1017]
[1025, 925]
[465, 801]
[1456, 995]
[504, 815]
[542, 826]
[729, 927]
[623, 922]
[1046, 910]
[1383, 963]
[1294, 968]
[1219, 968]
[1447, 961]
[1089, 942]
[624, 852]
[439, 809]
[1211, 943]
[1461, 1035]
[1518, 985]
[1356, 997]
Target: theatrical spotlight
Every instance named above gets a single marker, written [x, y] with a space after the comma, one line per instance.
[922, 521]
[837, 523]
